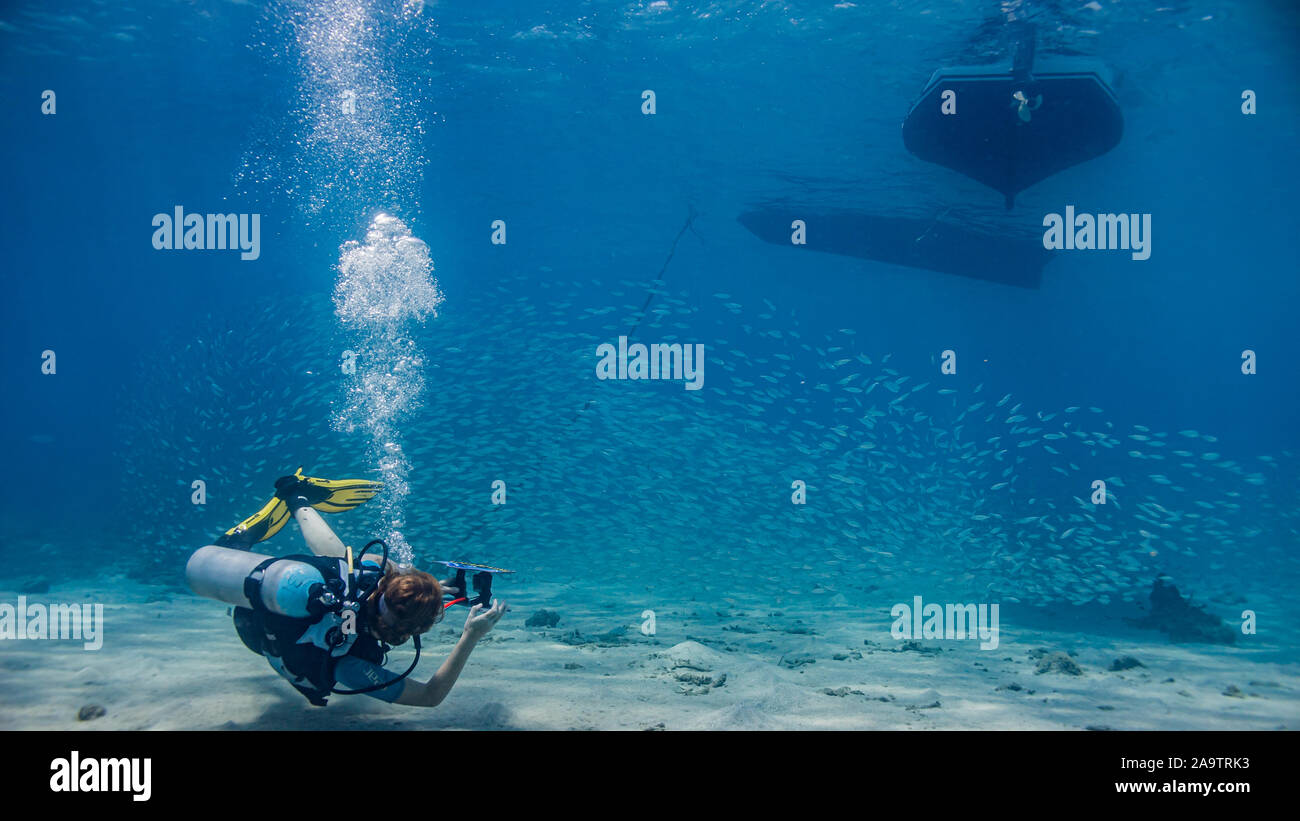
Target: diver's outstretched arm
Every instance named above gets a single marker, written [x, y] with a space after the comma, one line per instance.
[431, 693]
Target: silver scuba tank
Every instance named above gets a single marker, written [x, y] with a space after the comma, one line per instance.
[217, 572]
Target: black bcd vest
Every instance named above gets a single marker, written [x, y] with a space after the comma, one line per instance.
[306, 665]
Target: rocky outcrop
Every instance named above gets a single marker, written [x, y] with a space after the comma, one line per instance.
[1181, 620]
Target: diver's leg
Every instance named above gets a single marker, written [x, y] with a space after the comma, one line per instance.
[296, 493]
[320, 538]
[304, 495]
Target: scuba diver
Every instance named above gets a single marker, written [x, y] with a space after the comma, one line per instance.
[326, 621]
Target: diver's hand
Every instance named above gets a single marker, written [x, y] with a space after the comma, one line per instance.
[449, 588]
[481, 620]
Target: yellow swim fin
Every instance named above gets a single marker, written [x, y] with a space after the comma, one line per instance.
[259, 527]
[292, 492]
[326, 495]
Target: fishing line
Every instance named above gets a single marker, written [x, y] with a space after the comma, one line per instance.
[651, 293]
[653, 290]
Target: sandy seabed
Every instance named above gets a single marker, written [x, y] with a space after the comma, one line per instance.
[175, 663]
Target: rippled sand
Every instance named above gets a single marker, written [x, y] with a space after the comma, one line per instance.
[177, 664]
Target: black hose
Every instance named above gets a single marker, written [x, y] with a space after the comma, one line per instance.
[415, 639]
[371, 544]
[374, 687]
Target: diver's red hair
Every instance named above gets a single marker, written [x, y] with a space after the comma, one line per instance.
[413, 601]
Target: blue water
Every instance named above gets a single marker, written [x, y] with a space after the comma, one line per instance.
[176, 366]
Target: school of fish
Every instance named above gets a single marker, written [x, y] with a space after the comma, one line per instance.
[910, 485]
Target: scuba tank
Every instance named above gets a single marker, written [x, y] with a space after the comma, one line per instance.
[288, 587]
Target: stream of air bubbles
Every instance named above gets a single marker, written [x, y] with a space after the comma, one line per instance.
[359, 133]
